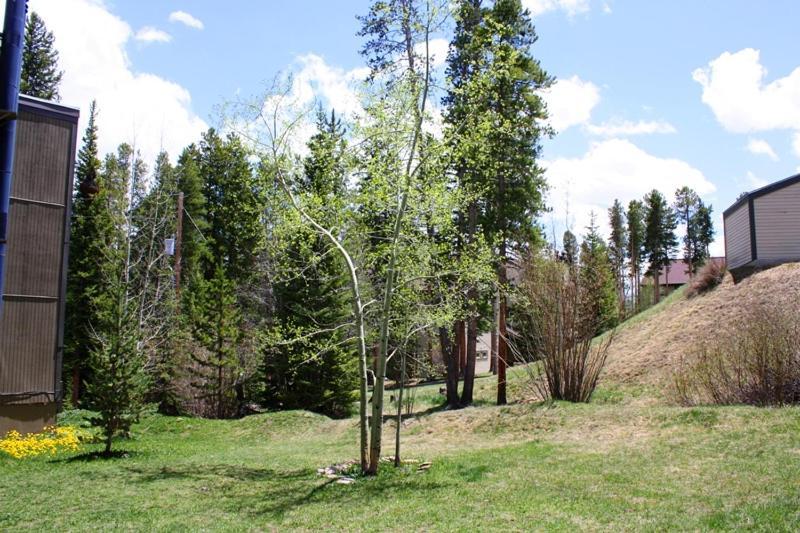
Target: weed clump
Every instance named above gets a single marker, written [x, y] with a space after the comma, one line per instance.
[707, 278]
[754, 360]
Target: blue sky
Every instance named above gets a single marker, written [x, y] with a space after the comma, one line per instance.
[650, 93]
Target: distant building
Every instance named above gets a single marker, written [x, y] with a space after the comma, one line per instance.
[678, 274]
[762, 228]
[32, 322]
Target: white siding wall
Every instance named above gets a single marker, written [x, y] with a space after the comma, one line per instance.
[777, 217]
[737, 237]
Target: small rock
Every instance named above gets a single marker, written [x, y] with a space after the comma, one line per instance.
[345, 480]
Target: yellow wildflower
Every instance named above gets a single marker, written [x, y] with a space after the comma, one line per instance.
[51, 440]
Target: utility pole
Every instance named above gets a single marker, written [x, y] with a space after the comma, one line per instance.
[178, 245]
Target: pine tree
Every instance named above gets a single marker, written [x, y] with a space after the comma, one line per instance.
[704, 232]
[636, 238]
[230, 218]
[234, 203]
[570, 246]
[194, 249]
[216, 324]
[599, 300]
[618, 247]
[660, 239]
[686, 205]
[463, 63]
[312, 366]
[90, 226]
[496, 100]
[40, 75]
[118, 380]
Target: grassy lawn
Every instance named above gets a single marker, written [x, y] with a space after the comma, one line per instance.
[623, 462]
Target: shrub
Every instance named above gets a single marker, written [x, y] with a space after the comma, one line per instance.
[708, 277]
[754, 360]
[562, 332]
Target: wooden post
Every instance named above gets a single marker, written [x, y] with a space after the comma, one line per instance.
[178, 244]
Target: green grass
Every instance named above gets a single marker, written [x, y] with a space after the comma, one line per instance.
[623, 462]
[675, 296]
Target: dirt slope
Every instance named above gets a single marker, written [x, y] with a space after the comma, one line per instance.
[648, 349]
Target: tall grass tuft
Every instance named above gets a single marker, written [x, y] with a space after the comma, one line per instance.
[709, 276]
[753, 360]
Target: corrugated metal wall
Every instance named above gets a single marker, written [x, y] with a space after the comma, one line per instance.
[737, 237]
[31, 325]
[778, 224]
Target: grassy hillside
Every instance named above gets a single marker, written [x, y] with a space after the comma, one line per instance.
[621, 462]
[648, 347]
[626, 461]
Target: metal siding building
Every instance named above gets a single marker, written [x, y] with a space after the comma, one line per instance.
[762, 229]
[32, 323]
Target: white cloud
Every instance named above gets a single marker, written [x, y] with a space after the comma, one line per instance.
[624, 128]
[185, 18]
[437, 48]
[761, 147]
[334, 85]
[135, 107]
[734, 89]
[612, 169]
[311, 81]
[796, 143]
[570, 102]
[570, 7]
[149, 34]
[754, 182]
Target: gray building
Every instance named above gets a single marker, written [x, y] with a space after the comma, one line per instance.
[32, 322]
[762, 229]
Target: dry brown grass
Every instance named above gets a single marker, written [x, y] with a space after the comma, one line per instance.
[649, 351]
[706, 279]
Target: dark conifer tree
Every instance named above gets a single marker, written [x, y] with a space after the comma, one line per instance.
[636, 237]
[91, 220]
[224, 293]
[314, 367]
[496, 101]
[704, 232]
[598, 291]
[194, 249]
[618, 248]
[570, 245]
[686, 204]
[660, 240]
[40, 74]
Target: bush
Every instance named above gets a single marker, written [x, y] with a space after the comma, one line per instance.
[753, 360]
[570, 363]
[709, 276]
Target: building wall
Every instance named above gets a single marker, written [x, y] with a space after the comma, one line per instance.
[31, 325]
[777, 217]
[737, 237]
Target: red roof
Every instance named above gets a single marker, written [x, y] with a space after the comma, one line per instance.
[679, 271]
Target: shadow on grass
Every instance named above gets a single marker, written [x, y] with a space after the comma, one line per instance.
[272, 494]
[416, 414]
[97, 456]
